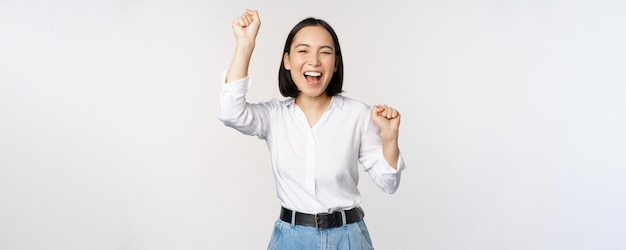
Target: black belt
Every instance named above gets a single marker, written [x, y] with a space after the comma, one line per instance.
[323, 220]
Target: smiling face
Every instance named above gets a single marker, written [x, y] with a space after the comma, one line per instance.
[311, 61]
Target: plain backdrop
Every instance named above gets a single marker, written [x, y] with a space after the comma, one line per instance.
[513, 126]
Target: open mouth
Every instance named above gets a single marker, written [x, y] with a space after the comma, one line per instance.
[312, 76]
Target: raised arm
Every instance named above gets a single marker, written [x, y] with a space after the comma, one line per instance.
[246, 27]
[234, 111]
[388, 120]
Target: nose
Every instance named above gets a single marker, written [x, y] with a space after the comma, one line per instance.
[314, 60]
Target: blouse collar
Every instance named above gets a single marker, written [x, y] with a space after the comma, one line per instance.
[336, 101]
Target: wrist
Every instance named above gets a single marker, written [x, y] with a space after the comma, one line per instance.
[245, 45]
[389, 135]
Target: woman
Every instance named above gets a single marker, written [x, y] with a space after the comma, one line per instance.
[316, 137]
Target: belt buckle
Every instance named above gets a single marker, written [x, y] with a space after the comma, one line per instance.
[321, 221]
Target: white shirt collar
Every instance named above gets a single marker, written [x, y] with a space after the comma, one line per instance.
[336, 101]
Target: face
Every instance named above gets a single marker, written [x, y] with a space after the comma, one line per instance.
[311, 60]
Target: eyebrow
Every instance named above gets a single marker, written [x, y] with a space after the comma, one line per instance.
[322, 47]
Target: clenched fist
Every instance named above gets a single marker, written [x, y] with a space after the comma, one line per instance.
[387, 119]
[246, 27]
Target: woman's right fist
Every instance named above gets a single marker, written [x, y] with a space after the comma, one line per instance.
[246, 27]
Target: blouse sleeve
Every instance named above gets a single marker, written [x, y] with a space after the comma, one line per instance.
[371, 157]
[235, 112]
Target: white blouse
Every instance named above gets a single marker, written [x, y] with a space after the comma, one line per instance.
[315, 168]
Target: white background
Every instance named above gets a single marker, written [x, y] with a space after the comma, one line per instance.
[512, 129]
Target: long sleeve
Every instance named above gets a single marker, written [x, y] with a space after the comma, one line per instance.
[235, 112]
[371, 157]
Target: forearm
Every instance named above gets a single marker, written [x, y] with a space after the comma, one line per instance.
[245, 28]
[238, 68]
[391, 151]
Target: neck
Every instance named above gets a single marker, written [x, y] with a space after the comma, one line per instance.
[313, 103]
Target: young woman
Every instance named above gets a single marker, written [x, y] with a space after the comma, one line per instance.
[316, 137]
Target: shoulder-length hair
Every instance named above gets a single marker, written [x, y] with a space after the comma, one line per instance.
[286, 85]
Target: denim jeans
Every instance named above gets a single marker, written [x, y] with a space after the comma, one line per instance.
[352, 236]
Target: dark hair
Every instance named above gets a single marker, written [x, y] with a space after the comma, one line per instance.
[286, 85]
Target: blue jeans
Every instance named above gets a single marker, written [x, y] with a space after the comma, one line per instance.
[352, 236]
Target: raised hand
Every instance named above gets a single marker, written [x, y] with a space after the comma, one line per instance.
[246, 26]
[387, 119]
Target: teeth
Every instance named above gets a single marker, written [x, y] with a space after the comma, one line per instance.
[312, 73]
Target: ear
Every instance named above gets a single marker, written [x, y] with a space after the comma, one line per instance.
[286, 61]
